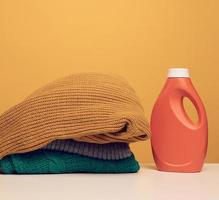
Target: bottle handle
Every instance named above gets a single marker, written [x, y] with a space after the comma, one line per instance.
[193, 96]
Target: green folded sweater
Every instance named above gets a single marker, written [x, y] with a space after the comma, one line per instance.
[57, 162]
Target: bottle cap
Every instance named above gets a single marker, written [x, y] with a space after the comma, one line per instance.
[178, 72]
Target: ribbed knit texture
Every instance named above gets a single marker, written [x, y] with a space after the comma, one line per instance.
[86, 107]
[54, 162]
[110, 151]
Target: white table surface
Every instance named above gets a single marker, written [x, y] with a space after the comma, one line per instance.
[148, 184]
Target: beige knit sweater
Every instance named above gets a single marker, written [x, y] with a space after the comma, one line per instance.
[85, 107]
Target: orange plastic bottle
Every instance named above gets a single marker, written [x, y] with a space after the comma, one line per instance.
[178, 144]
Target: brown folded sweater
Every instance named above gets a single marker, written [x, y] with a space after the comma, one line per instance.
[86, 107]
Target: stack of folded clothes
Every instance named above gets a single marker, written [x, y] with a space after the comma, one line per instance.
[81, 123]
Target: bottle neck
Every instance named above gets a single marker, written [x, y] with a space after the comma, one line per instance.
[178, 82]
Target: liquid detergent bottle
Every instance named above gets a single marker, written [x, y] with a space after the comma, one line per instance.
[178, 144]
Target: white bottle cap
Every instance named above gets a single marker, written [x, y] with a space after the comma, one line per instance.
[178, 72]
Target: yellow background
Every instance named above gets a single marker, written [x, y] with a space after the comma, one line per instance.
[139, 39]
